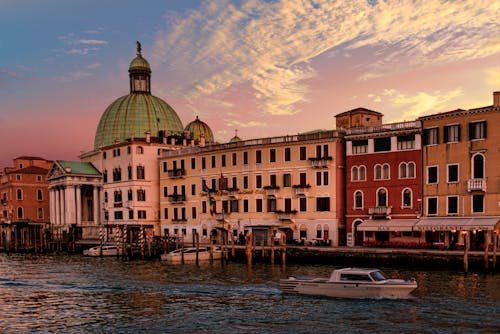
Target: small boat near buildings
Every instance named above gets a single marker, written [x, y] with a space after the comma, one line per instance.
[188, 255]
[350, 283]
[106, 251]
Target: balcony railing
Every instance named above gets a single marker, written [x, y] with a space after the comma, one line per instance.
[176, 173]
[271, 190]
[300, 189]
[380, 211]
[232, 192]
[285, 215]
[221, 216]
[476, 185]
[176, 198]
[320, 162]
[179, 220]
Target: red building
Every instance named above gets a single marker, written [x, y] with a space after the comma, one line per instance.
[24, 191]
[383, 179]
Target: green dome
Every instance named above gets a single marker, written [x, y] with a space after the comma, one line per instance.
[235, 139]
[197, 129]
[139, 112]
[132, 116]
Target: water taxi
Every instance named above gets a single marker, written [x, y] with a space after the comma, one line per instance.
[106, 251]
[350, 283]
[188, 255]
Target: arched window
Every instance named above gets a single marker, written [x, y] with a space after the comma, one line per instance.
[129, 195]
[318, 231]
[411, 170]
[385, 172]
[20, 214]
[354, 173]
[362, 173]
[407, 196]
[39, 195]
[118, 196]
[358, 200]
[19, 193]
[378, 172]
[402, 170]
[105, 176]
[382, 197]
[478, 166]
[140, 150]
[141, 195]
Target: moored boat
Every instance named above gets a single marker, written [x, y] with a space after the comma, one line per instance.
[188, 255]
[350, 283]
[106, 251]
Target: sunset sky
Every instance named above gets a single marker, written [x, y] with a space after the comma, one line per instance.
[264, 68]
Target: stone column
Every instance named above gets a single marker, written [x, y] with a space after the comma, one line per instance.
[95, 204]
[52, 203]
[71, 205]
[78, 205]
[57, 207]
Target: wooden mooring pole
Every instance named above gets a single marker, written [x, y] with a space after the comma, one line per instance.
[466, 252]
[495, 242]
[487, 237]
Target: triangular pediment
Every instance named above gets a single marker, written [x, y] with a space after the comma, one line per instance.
[55, 171]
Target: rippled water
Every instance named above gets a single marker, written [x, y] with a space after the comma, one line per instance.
[75, 294]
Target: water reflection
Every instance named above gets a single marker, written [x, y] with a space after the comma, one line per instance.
[77, 294]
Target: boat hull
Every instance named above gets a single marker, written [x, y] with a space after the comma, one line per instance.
[190, 257]
[322, 287]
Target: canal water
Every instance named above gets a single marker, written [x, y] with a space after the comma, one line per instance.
[75, 294]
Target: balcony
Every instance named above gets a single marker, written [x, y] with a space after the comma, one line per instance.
[271, 191]
[285, 215]
[380, 212]
[301, 189]
[176, 173]
[320, 162]
[232, 192]
[176, 198]
[3, 201]
[476, 185]
[179, 220]
[221, 216]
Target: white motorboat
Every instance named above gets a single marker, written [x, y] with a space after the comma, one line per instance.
[350, 283]
[106, 251]
[188, 255]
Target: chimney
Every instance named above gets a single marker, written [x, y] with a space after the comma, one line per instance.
[496, 99]
[148, 137]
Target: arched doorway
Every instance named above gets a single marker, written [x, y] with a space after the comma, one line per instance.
[358, 235]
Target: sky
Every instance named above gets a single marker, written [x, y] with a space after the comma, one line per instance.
[259, 67]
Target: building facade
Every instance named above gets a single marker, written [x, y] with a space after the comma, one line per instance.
[461, 182]
[291, 185]
[383, 180]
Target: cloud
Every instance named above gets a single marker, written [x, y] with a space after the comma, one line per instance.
[80, 46]
[271, 45]
[492, 77]
[92, 41]
[93, 66]
[6, 76]
[251, 124]
[421, 103]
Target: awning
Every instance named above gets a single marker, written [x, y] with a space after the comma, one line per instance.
[400, 225]
[458, 223]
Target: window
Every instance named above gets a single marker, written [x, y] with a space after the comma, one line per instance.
[213, 161]
[432, 174]
[165, 168]
[432, 206]
[451, 133]
[288, 154]
[302, 153]
[326, 180]
[39, 213]
[272, 155]
[105, 197]
[318, 178]
[477, 166]
[19, 194]
[39, 195]
[382, 144]
[140, 172]
[139, 150]
[117, 174]
[104, 155]
[382, 197]
[402, 170]
[258, 156]
[406, 142]
[141, 214]
[38, 178]
[20, 214]
[358, 200]
[258, 205]
[129, 195]
[118, 197]
[452, 205]
[303, 179]
[130, 214]
[354, 173]
[204, 207]
[271, 204]
[362, 173]
[359, 146]
[478, 203]
[303, 204]
[452, 176]
[165, 212]
[141, 195]
[234, 159]
[105, 176]
[193, 163]
[382, 172]
[477, 130]
[129, 150]
[407, 170]
[407, 198]
[203, 163]
[323, 204]
[272, 180]
[234, 205]
[18, 177]
[245, 182]
[245, 205]
[193, 212]
[411, 170]
[165, 191]
[287, 180]
[245, 158]
[258, 181]
[118, 215]
[235, 182]
[223, 160]
[193, 189]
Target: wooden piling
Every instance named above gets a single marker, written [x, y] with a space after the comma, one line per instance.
[197, 245]
[248, 248]
[272, 249]
[283, 250]
[466, 252]
[486, 248]
[495, 242]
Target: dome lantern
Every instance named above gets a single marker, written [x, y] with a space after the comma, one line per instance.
[140, 73]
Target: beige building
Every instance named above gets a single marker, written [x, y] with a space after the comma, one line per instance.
[461, 176]
[290, 185]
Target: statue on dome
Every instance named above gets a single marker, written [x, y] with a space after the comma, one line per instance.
[139, 49]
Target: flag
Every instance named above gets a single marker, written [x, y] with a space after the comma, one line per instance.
[204, 186]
